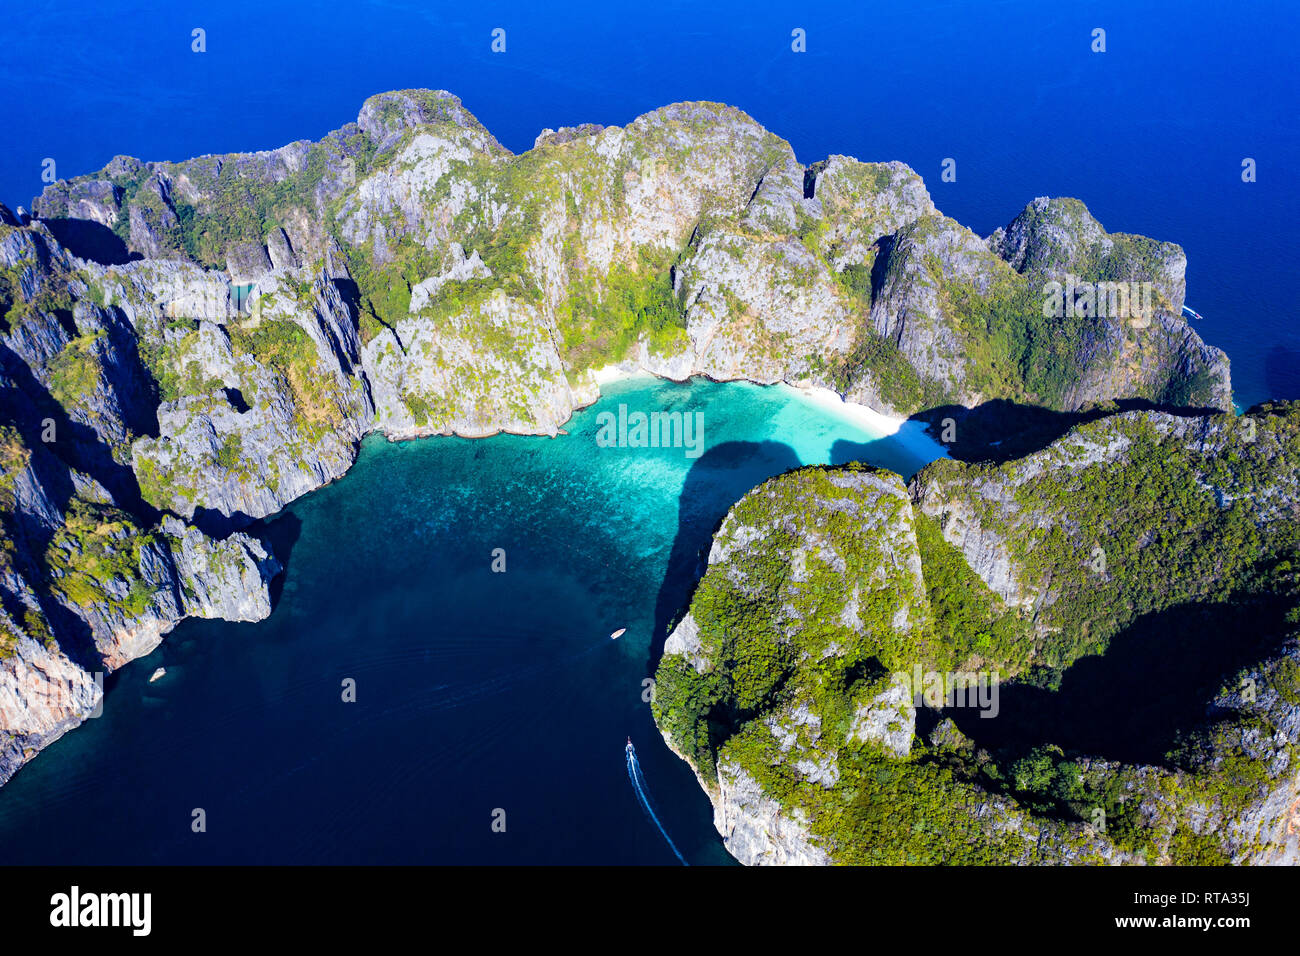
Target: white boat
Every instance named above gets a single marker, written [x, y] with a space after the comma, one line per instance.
[617, 634]
[156, 674]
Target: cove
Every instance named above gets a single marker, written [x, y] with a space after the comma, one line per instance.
[477, 692]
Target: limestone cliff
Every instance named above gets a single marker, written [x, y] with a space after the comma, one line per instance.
[1133, 585]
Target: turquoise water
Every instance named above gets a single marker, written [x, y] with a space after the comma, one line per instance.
[476, 691]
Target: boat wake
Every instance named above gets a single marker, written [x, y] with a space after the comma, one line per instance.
[643, 796]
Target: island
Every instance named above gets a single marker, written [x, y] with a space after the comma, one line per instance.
[185, 347]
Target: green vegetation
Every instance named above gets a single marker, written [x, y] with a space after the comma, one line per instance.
[8, 642]
[242, 203]
[286, 347]
[884, 811]
[51, 294]
[166, 358]
[165, 488]
[230, 454]
[1189, 391]
[602, 322]
[1014, 350]
[1130, 258]
[602, 316]
[1157, 516]
[14, 456]
[759, 614]
[422, 411]
[774, 642]
[97, 552]
[972, 625]
[878, 357]
[771, 626]
[386, 291]
[75, 370]
[37, 628]
[855, 280]
[894, 377]
[238, 198]
[10, 298]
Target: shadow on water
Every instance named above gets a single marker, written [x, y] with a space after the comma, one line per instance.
[883, 453]
[218, 524]
[1129, 704]
[843, 452]
[716, 481]
[1001, 430]
[278, 535]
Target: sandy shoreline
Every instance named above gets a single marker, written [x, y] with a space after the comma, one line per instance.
[612, 373]
[912, 435]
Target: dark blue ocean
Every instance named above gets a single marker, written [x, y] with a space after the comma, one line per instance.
[479, 691]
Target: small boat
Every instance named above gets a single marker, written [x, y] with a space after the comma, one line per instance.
[1191, 313]
[617, 634]
[628, 748]
[156, 674]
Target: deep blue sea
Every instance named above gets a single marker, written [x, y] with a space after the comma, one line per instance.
[476, 690]
[479, 691]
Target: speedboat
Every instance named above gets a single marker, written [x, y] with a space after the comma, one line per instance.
[617, 634]
[1191, 313]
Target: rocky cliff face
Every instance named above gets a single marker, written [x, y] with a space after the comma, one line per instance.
[187, 346]
[799, 684]
[1116, 349]
[90, 576]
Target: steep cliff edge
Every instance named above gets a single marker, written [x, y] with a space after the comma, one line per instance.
[187, 346]
[1129, 595]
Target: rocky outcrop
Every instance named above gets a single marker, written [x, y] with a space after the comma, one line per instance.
[43, 695]
[90, 579]
[1058, 240]
[791, 685]
[982, 511]
[753, 826]
[799, 696]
